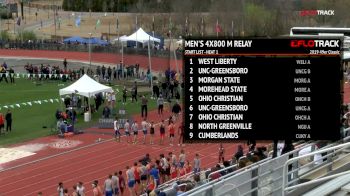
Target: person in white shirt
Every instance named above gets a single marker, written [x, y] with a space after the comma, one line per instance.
[60, 189]
[81, 189]
[115, 183]
[144, 125]
[116, 130]
[135, 129]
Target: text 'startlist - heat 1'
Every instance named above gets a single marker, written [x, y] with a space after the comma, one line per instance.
[262, 89]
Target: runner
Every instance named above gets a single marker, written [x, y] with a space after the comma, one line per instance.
[182, 158]
[130, 176]
[173, 172]
[134, 128]
[116, 130]
[115, 183]
[144, 125]
[162, 132]
[151, 131]
[173, 160]
[188, 167]
[171, 129]
[108, 186]
[122, 184]
[181, 134]
[143, 177]
[127, 131]
[81, 189]
[137, 176]
[60, 189]
[196, 164]
[96, 189]
[152, 185]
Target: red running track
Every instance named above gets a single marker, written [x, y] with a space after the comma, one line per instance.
[96, 162]
[158, 64]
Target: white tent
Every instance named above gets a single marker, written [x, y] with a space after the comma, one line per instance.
[85, 86]
[140, 36]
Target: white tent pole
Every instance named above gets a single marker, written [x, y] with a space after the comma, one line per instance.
[150, 64]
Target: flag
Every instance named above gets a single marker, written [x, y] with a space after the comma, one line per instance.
[18, 105]
[51, 100]
[5, 106]
[78, 21]
[29, 103]
[186, 26]
[170, 24]
[136, 24]
[232, 28]
[202, 27]
[117, 23]
[218, 27]
[98, 23]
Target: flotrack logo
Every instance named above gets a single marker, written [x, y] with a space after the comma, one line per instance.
[314, 43]
[316, 13]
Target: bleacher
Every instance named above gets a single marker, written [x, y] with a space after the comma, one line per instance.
[321, 171]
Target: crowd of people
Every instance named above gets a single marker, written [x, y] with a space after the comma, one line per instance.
[144, 176]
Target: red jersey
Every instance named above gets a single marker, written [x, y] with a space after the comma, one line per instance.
[171, 129]
[173, 172]
[136, 173]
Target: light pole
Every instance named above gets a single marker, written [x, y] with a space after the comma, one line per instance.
[90, 50]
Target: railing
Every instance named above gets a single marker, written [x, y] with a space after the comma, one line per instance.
[262, 178]
[287, 175]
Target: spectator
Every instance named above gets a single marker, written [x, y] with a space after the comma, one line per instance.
[96, 189]
[124, 94]
[176, 109]
[182, 158]
[108, 186]
[155, 173]
[2, 123]
[12, 75]
[188, 167]
[152, 185]
[251, 144]
[239, 152]
[197, 180]
[144, 103]
[60, 189]
[106, 112]
[65, 64]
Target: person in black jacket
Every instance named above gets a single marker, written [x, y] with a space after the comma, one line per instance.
[8, 118]
[176, 109]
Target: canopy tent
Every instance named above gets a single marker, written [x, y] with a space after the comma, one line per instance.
[85, 86]
[140, 36]
[75, 39]
[95, 40]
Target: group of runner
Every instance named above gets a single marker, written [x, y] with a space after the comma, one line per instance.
[149, 127]
[146, 175]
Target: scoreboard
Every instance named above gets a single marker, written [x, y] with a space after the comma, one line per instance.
[262, 89]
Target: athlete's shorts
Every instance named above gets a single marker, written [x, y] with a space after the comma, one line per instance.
[143, 177]
[131, 183]
[144, 132]
[117, 132]
[127, 133]
[135, 132]
[172, 135]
